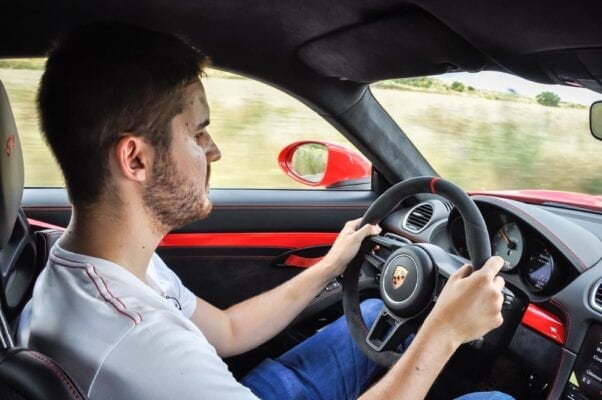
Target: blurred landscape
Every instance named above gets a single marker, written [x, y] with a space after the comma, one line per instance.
[481, 140]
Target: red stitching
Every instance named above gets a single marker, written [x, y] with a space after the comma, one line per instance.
[107, 287]
[109, 291]
[86, 267]
[58, 372]
[562, 355]
[108, 300]
[533, 220]
[66, 263]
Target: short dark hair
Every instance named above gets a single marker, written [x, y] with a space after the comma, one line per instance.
[103, 80]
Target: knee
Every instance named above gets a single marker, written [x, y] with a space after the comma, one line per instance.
[370, 309]
[485, 396]
[501, 396]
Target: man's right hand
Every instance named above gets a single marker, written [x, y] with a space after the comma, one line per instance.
[470, 304]
[468, 307]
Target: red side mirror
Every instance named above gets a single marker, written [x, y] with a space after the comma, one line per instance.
[315, 163]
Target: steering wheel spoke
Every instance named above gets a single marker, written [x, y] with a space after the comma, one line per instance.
[389, 330]
[447, 264]
[374, 261]
[374, 246]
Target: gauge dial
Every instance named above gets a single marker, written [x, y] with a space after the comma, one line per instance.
[540, 268]
[508, 243]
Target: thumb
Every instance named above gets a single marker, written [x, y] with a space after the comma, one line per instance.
[463, 272]
[369, 230]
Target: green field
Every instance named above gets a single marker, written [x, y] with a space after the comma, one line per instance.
[481, 142]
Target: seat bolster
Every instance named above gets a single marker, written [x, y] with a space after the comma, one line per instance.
[34, 376]
[45, 239]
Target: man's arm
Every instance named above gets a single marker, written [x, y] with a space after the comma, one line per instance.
[246, 325]
[468, 307]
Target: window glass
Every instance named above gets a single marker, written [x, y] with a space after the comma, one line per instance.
[21, 78]
[495, 131]
[250, 121]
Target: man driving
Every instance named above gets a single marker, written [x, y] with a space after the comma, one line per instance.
[126, 115]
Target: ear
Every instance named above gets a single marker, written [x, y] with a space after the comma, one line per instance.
[133, 158]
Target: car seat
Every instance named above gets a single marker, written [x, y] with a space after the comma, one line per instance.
[24, 373]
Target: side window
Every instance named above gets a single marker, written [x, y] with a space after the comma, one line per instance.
[21, 78]
[251, 122]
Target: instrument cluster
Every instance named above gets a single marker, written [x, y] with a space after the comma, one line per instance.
[524, 251]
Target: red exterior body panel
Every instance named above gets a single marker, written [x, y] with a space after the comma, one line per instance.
[342, 164]
[586, 201]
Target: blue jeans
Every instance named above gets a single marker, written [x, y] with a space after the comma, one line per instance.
[328, 365]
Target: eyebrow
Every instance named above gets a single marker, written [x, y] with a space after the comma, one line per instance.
[203, 124]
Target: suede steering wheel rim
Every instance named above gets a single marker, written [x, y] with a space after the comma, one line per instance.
[479, 248]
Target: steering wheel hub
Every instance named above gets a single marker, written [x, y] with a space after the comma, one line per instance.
[407, 281]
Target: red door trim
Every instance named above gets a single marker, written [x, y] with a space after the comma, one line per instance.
[246, 239]
[544, 322]
[43, 225]
[263, 239]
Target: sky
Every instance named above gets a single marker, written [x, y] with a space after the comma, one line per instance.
[501, 82]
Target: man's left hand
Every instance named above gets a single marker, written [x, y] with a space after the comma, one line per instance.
[347, 244]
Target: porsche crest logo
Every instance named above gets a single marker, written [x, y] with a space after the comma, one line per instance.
[11, 142]
[399, 276]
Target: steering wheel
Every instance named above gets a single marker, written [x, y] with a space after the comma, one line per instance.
[412, 275]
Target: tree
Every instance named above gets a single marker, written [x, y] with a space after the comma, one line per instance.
[457, 86]
[548, 99]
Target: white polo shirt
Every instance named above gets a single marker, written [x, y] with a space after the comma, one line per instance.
[120, 338]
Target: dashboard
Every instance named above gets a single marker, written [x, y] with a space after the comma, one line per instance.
[530, 260]
[552, 266]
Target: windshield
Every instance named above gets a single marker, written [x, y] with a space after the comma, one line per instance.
[494, 131]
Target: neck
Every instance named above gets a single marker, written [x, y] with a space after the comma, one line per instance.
[122, 235]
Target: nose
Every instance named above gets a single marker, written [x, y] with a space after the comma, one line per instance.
[213, 153]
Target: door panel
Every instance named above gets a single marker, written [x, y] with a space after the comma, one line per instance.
[229, 256]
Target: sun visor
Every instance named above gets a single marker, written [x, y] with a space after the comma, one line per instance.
[580, 67]
[410, 44]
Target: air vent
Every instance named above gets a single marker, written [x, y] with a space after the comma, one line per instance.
[448, 205]
[418, 217]
[596, 299]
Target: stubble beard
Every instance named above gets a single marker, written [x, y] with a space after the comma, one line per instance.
[171, 198]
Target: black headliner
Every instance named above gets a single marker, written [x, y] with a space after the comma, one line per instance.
[541, 40]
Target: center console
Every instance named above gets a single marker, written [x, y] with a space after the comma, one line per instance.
[585, 382]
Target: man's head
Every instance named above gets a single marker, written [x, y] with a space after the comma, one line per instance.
[107, 83]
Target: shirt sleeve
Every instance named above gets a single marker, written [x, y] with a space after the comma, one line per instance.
[172, 285]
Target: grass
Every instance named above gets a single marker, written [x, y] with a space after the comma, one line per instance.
[503, 145]
[481, 140]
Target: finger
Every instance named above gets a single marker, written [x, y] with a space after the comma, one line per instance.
[352, 225]
[368, 230]
[493, 266]
[463, 272]
[499, 283]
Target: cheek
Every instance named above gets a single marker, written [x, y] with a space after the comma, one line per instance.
[195, 156]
